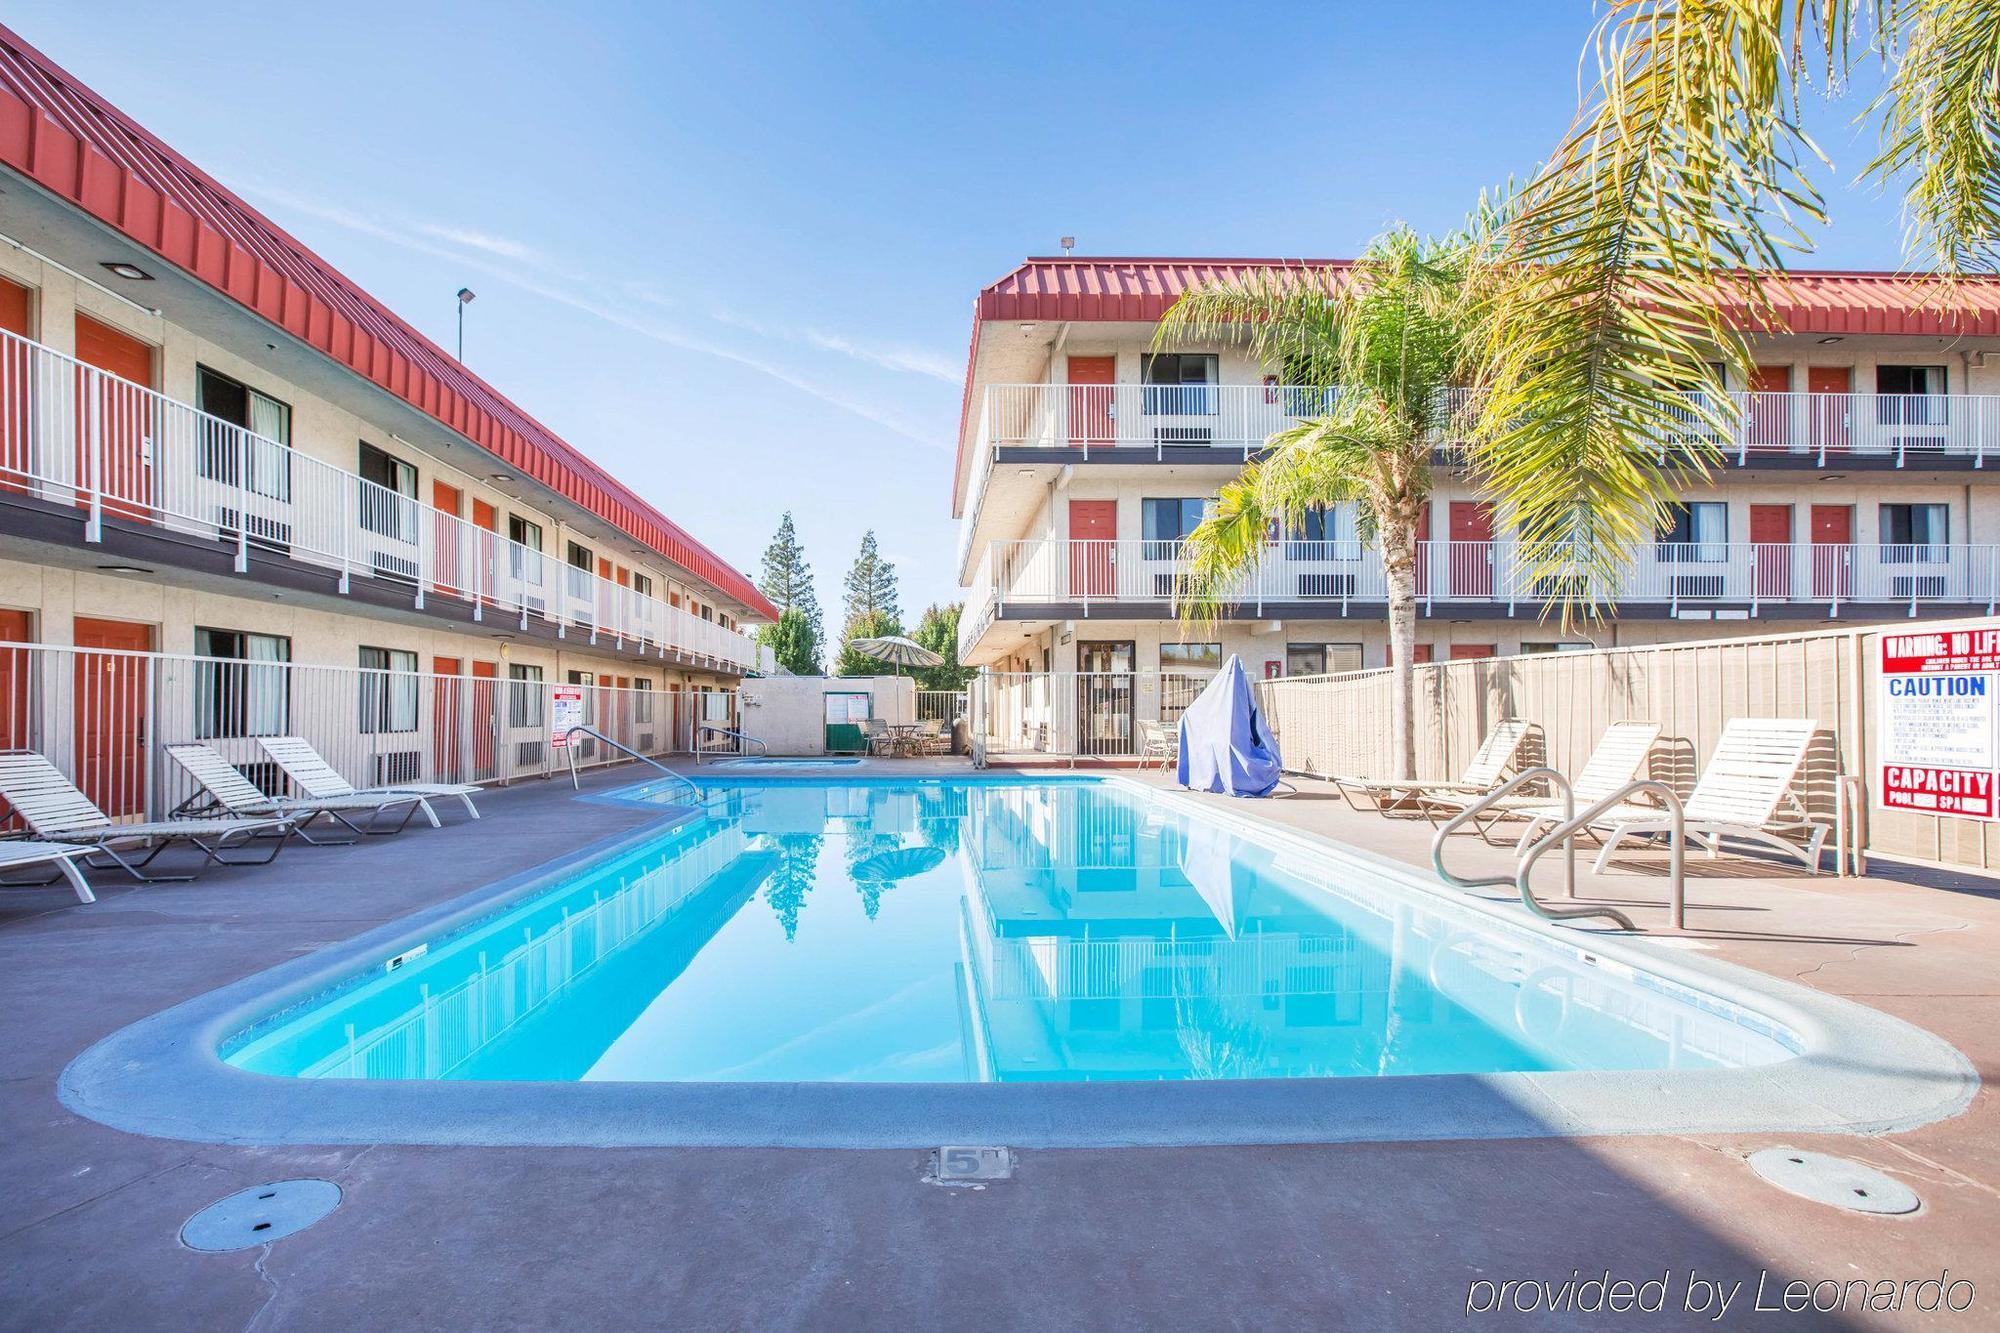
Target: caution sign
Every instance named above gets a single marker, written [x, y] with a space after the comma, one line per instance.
[565, 712]
[1939, 708]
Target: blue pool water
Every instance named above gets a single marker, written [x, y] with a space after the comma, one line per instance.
[979, 931]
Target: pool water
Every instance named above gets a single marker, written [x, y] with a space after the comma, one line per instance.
[981, 930]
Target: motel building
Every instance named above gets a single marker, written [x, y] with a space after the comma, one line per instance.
[239, 496]
[1861, 485]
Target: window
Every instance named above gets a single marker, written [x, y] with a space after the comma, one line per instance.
[388, 494]
[715, 707]
[1165, 524]
[1313, 659]
[388, 690]
[580, 556]
[642, 584]
[1178, 384]
[524, 532]
[234, 696]
[1563, 647]
[222, 454]
[1696, 532]
[1326, 534]
[642, 700]
[1915, 525]
[1190, 657]
[524, 696]
[1910, 395]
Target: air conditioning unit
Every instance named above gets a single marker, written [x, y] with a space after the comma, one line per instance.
[528, 754]
[1698, 585]
[1904, 586]
[396, 567]
[1200, 435]
[1326, 585]
[270, 533]
[398, 766]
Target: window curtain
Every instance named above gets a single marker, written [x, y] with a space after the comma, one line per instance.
[265, 687]
[270, 464]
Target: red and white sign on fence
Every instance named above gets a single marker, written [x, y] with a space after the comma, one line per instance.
[1939, 700]
[565, 711]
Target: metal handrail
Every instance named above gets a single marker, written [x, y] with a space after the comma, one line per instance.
[710, 728]
[1676, 849]
[569, 744]
[1519, 881]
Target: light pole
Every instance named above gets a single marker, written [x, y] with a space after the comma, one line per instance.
[465, 298]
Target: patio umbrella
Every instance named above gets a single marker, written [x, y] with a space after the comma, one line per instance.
[897, 650]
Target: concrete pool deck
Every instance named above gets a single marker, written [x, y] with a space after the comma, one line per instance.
[1369, 1234]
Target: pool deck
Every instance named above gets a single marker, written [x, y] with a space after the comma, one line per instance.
[1364, 1235]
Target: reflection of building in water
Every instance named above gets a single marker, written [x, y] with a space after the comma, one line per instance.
[1105, 938]
[547, 986]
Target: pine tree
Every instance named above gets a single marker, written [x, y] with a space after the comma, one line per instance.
[787, 580]
[793, 642]
[938, 631]
[871, 586]
[870, 625]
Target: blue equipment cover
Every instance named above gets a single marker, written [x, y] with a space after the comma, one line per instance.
[1225, 744]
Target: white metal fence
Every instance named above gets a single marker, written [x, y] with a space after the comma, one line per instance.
[1344, 573]
[105, 718]
[73, 434]
[1088, 713]
[945, 706]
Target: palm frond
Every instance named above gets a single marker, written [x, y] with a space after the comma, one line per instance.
[1940, 122]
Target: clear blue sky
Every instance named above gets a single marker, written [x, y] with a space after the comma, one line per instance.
[730, 250]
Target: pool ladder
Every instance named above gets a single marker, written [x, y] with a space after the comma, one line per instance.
[1565, 833]
[569, 744]
[710, 729]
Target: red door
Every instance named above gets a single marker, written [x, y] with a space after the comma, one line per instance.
[1422, 654]
[487, 519]
[447, 717]
[1832, 543]
[1093, 536]
[110, 704]
[479, 717]
[1424, 549]
[16, 455]
[1471, 551]
[1090, 416]
[1768, 422]
[448, 559]
[1771, 549]
[117, 411]
[1830, 416]
[1471, 652]
[14, 628]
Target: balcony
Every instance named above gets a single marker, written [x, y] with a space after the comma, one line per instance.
[1164, 421]
[1058, 579]
[72, 435]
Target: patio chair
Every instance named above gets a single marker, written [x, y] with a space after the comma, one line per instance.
[17, 855]
[1620, 754]
[931, 739]
[1744, 793]
[1488, 765]
[875, 735]
[316, 778]
[51, 805]
[1158, 741]
[225, 788]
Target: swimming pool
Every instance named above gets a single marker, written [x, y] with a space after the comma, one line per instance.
[863, 961]
[978, 932]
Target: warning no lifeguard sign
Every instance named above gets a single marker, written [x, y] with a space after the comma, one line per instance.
[1940, 722]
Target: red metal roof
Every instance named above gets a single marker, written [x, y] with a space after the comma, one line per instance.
[74, 144]
[1141, 290]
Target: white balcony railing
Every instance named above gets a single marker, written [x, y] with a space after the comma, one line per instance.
[1339, 575]
[73, 434]
[1241, 417]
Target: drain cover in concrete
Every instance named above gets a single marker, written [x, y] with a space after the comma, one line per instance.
[1834, 1180]
[260, 1214]
[961, 1163]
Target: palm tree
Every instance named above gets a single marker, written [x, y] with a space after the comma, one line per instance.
[1380, 346]
[1633, 256]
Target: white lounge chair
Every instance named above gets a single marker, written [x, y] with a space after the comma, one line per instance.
[18, 855]
[51, 805]
[1745, 793]
[1619, 757]
[226, 787]
[315, 777]
[1489, 764]
[1159, 743]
